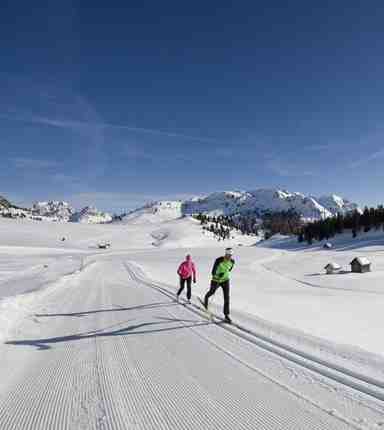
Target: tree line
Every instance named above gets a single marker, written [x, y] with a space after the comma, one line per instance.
[284, 222]
[356, 222]
[221, 226]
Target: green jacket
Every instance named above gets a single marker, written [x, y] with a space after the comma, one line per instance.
[221, 269]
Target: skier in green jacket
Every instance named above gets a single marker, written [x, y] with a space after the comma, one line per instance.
[220, 278]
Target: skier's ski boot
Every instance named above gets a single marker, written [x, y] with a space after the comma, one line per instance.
[227, 319]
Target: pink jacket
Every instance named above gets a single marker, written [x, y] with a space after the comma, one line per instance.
[187, 269]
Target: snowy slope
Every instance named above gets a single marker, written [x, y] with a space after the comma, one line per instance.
[187, 233]
[169, 228]
[155, 212]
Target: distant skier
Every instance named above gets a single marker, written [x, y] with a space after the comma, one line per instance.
[220, 278]
[186, 272]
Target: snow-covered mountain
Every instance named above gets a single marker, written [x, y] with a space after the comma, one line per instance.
[155, 212]
[8, 210]
[336, 204]
[62, 211]
[91, 215]
[262, 200]
[55, 210]
[4, 203]
[259, 201]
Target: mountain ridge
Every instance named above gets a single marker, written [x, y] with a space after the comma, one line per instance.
[259, 201]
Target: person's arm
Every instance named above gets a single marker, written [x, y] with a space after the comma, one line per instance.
[217, 262]
[194, 272]
[233, 263]
[178, 270]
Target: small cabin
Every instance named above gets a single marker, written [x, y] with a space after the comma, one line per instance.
[360, 265]
[103, 245]
[328, 245]
[332, 268]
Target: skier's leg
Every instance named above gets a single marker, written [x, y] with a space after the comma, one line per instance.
[211, 292]
[182, 282]
[189, 292]
[225, 287]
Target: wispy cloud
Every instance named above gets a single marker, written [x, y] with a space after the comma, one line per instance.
[369, 147]
[166, 155]
[58, 106]
[65, 179]
[100, 125]
[370, 157]
[32, 163]
[286, 168]
[321, 147]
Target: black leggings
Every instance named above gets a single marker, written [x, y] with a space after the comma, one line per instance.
[214, 286]
[182, 284]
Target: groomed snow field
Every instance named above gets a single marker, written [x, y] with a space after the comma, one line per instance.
[94, 339]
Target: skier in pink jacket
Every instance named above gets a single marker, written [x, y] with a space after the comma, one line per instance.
[186, 272]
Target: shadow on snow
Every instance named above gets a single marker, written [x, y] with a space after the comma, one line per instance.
[117, 309]
[134, 329]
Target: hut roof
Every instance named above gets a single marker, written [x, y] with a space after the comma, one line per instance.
[104, 245]
[333, 266]
[363, 261]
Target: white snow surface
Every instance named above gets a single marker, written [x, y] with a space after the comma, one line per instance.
[96, 336]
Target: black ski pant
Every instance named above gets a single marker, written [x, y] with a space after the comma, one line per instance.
[182, 284]
[225, 287]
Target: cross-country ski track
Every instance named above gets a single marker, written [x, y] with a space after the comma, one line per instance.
[111, 350]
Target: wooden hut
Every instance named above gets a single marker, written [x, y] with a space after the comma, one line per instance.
[360, 265]
[332, 268]
[103, 245]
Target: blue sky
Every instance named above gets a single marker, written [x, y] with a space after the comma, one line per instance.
[122, 102]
